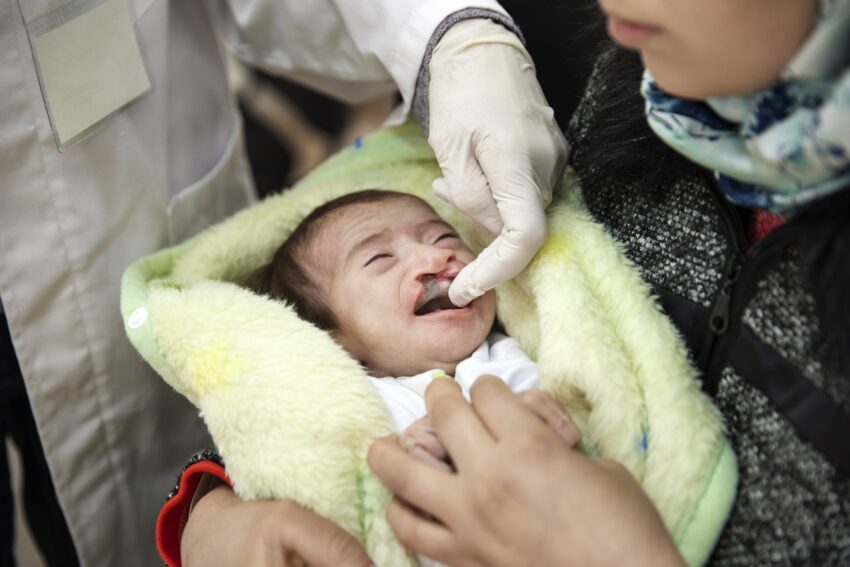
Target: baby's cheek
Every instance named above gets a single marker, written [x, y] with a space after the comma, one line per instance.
[488, 308]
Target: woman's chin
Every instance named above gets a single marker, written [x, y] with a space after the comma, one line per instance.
[692, 85]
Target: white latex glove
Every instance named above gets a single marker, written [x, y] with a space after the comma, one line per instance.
[498, 145]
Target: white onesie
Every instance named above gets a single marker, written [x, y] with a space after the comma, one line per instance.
[498, 355]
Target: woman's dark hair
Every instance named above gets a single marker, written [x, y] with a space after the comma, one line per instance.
[620, 140]
[288, 277]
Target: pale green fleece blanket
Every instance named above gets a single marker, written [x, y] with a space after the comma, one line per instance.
[293, 415]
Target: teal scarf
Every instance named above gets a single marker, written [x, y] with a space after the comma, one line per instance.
[780, 148]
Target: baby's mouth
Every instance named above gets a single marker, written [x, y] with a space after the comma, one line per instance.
[435, 296]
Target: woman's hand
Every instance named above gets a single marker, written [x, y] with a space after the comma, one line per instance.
[420, 439]
[224, 530]
[521, 495]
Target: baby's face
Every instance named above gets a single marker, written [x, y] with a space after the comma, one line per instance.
[391, 264]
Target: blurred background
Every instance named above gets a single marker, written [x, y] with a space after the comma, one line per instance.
[290, 129]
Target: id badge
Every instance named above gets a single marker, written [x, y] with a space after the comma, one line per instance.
[88, 62]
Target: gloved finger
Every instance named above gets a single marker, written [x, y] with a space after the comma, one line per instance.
[504, 258]
[522, 176]
[469, 192]
[521, 195]
[441, 190]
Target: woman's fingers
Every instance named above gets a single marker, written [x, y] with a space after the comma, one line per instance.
[501, 411]
[419, 532]
[224, 530]
[428, 458]
[314, 540]
[547, 409]
[419, 484]
[455, 421]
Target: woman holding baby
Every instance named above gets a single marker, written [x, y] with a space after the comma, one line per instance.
[745, 244]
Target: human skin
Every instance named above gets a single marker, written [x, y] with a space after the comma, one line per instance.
[519, 495]
[224, 530]
[420, 438]
[377, 257]
[698, 48]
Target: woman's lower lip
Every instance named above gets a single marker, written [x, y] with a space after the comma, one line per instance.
[630, 34]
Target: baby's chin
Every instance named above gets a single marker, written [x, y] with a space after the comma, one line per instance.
[443, 357]
[412, 369]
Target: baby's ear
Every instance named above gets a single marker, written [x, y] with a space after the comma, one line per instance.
[260, 280]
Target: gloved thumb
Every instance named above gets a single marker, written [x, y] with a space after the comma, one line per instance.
[503, 259]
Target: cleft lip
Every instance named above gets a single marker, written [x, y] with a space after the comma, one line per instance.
[433, 288]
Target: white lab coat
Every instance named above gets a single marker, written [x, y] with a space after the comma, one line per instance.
[157, 172]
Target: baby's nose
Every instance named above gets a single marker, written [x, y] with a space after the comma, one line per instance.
[433, 259]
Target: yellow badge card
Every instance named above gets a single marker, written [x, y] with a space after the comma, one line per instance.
[90, 67]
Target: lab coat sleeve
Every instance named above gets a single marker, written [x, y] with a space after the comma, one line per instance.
[351, 49]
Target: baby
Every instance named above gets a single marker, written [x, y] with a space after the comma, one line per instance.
[373, 268]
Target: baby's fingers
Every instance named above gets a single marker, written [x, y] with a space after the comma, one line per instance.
[421, 441]
[426, 457]
[548, 410]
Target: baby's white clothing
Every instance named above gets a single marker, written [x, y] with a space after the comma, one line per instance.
[498, 355]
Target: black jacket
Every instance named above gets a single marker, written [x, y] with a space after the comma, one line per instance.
[752, 321]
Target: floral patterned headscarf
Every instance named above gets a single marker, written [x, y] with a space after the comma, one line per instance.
[784, 146]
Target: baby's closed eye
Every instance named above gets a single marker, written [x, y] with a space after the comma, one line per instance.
[446, 236]
[377, 257]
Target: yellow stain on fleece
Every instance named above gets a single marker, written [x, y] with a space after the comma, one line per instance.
[214, 365]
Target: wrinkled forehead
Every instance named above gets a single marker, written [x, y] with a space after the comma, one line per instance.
[342, 229]
[347, 226]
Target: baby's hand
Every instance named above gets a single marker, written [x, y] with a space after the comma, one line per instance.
[421, 441]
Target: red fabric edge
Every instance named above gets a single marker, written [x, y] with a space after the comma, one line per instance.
[172, 516]
[762, 223]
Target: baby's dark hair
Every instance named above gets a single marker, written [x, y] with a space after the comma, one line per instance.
[288, 277]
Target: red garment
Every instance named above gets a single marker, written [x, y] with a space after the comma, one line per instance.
[761, 224]
[172, 518]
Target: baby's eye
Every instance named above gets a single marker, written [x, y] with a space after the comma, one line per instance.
[445, 236]
[375, 258]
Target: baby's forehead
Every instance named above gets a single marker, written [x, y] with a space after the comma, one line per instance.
[344, 227]
[400, 211]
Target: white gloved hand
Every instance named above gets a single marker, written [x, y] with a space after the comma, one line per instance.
[498, 145]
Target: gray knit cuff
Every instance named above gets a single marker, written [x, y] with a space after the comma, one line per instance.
[419, 106]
